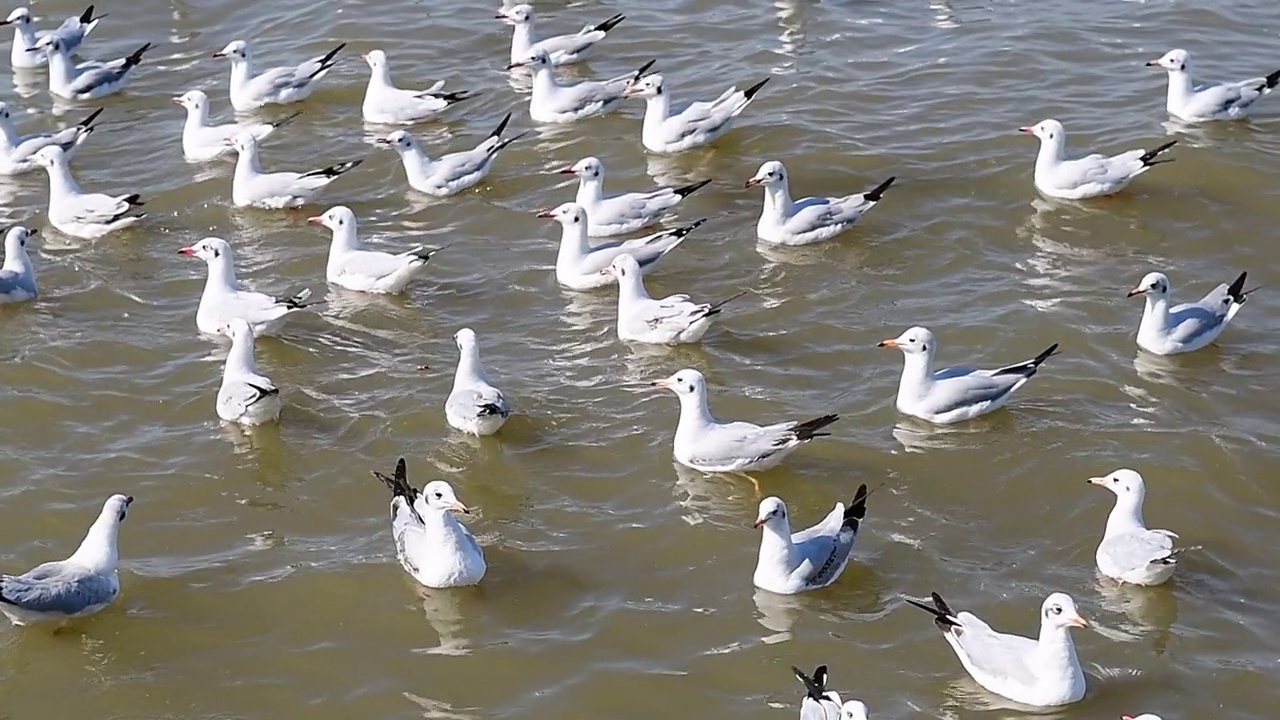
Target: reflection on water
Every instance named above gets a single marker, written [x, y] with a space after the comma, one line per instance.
[1150, 610]
[444, 612]
[777, 613]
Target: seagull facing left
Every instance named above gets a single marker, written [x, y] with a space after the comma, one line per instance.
[784, 221]
[554, 102]
[1187, 327]
[561, 49]
[77, 213]
[71, 32]
[17, 276]
[274, 86]
[353, 266]
[245, 397]
[1089, 176]
[223, 300]
[474, 406]
[202, 141]
[87, 80]
[17, 151]
[579, 264]
[698, 123]
[1210, 101]
[809, 559]
[672, 320]
[252, 187]
[1129, 552]
[452, 173]
[81, 585]
[431, 544]
[622, 213]
[386, 104]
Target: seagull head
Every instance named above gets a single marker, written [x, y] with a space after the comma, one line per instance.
[439, 496]
[209, 249]
[465, 339]
[375, 58]
[49, 43]
[538, 60]
[49, 156]
[1049, 131]
[568, 215]
[519, 15]
[771, 510]
[192, 100]
[645, 87]
[236, 329]
[914, 341]
[16, 240]
[1153, 285]
[244, 142]
[770, 174]
[1059, 611]
[1125, 483]
[237, 50]
[336, 218]
[854, 710]
[623, 266]
[587, 168]
[1145, 716]
[117, 506]
[20, 17]
[1177, 60]
[4, 112]
[687, 382]
[400, 141]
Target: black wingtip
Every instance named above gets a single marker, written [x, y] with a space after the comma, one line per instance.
[715, 308]
[857, 509]
[939, 610]
[610, 24]
[808, 429]
[645, 68]
[750, 92]
[687, 190]
[136, 57]
[399, 485]
[1236, 289]
[682, 231]
[285, 120]
[328, 57]
[457, 97]
[1048, 353]
[89, 120]
[86, 17]
[877, 192]
[263, 392]
[335, 170]
[490, 409]
[502, 127]
[1149, 157]
[1273, 79]
[815, 687]
[133, 200]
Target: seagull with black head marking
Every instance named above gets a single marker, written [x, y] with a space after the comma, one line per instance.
[1166, 330]
[431, 545]
[245, 397]
[452, 173]
[274, 86]
[87, 80]
[784, 221]
[560, 49]
[555, 102]
[622, 213]
[70, 33]
[224, 300]
[80, 214]
[698, 123]
[386, 104]
[791, 563]
[1209, 101]
[17, 152]
[580, 264]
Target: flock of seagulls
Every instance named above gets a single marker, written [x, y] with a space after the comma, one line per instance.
[430, 542]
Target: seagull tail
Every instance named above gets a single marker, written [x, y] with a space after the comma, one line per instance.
[683, 231]
[425, 254]
[1236, 290]
[687, 190]
[1149, 157]
[487, 409]
[263, 392]
[86, 17]
[816, 686]
[136, 57]
[506, 141]
[857, 509]
[134, 200]
[400, 487]
[333, 171]
[877, 192]
[1173, 557]
[749, 94]
[454, 97]
[1273, 79]
[285, 120]
[808, 429]
[716, 307]
[502, 127]
[87, 123]
[609, 24]
[943, 618]
[326, 61]
[298, 300]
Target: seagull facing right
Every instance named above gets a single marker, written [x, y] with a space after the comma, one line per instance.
[695, 124]
[1129, 551]
[561, 49]
[1039, 673]
[223, 299]
[809, 220]
[672, 320]
[245, 397]
[78, 213]
[818, 703]
[353, 266]
[17, 151]
[431, 544]
[202, 141]
[810, 559]
[386, 104]
[1189, 326]
[452, 173]
[71, 32]
[278, 85]
[554, 102]
[17, 276]
[252, 187]
[81, 585]
[621, 213]
[474, 406]
[1090, 176]
[87, 80]
[1211, 101]
[958, 393]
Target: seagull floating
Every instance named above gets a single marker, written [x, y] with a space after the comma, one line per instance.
[1189, 326]
[223, 300]
[784, 221]
[561, 49]
[1129, 551]
[1211, 101]
[77, 213]
[386, 104]
[579, 264]
[672, 320]
[554, 102]
[474, 406]
[431, 544]
[245, 397]
[17, 151]
[452, 173]
[622, 213]
[87, 80]
[252, 187]
[202, 141]
[1090, 176]
[71, 33]
[355, 267]
[17, 276]
[818, 703]
[698, 123]
[810, 559]
[279, 85]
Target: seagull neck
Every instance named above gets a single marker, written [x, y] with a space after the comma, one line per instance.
[1156, 311]
[241, 72]
[694, 414]
[380, 77]
[197, 117]
[416, 164]
[1125, 517]
[345, 240]
[521, 41]
[11, 138]
[240, 357]
[1055, 650]
[630, 289]
[470, 370]
[1051, 153]
[1179, 86]
[777, 202]
[61, 71]
[24, 35]
[222, 276]
[61, 183]
[573, 245]
[776, 547]
[590, 191]
[656, 109]
[917, 374]
[98, 549]
[17, 261]
[544, 81]
[247, 164]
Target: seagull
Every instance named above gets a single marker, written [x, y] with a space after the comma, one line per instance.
[819, 703]
[17, 276]
[354, 267]
[1145, 716]
[554, 102]
[562, 49]
[1038, 673]
[223, 299]
[386, 104]
[809, 220]
[279, 85]
[709, 446]
[698, 123]
[87, 80]
[1211, 101]
[672, 320]
[452, 173]
[431, 544]
[81, 585]
[245, 397]
[579, 263]
[474, 406]
[16, 150]
[77, 213]
[953, 394]
[810, 559]
[623, 213]
[1129, 551]
[71, 32]
[1189, 326]
[252, 187]
[1090, 176]
[202, 141]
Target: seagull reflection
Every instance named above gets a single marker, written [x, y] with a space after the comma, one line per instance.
[918, 436]
[715, 499]
[27, 82]
[682, 168]
[443, 609]
[1151, 610]
[943, 16]
[777, 613]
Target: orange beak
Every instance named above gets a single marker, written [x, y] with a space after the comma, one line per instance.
[887, 343]
[664, 383]
[1135, 291]
[751, 183]
[459, 507]
[1078, 622]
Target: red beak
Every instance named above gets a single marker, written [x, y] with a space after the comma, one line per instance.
[1029, 130]
[546, 214]
[187, 251]
[567, 170]
[317, 220]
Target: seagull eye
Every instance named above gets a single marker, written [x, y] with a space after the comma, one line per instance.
[1056, 610]
[439, 496]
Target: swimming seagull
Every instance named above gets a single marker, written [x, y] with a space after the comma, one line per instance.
[1089, 176]
[958, 393]
[451, 173]
[810, 559]
[809, 220]
[431, 544]
[278, 85]
[562, 49]
[819, 703]
[709, 446]
[71, 32]
[554, 102]
[1039, 673]
[245, 397]
[697, 123]
[202, 141]
[77, 213]
[355, 267]
[16, 150]
[474, 406]
[81, 585]
[17, 276]
[1129, 551]
[1145, 716]
[386, 104]
[223, 299]
[1189, 326]
[579, 263]
[1211, 101]
[672, 320]
[252, 187]
[87, 80]
[621, 213]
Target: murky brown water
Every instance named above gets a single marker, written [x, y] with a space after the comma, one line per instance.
[258, 575]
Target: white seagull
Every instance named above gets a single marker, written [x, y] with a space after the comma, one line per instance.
[474, 406]
[1144, 716]
[77, 213]
[1089, 176]
[1211, 101]
[784, 221]
[1038, 673]
[554, 102]
[252, 187]
[957, 393]
[810, 559]
[579, 264]
[279, 85]
[223, 300]
[818, 703]
[87, 80]
[431, 544]
[81, 585]
[709, 446]
[386, 104]
[697, 123]
[672, 320]
[621, 213]
[452, 173]
[17, 151]
[1187, 327]
[562, 49]
[202, 141]
[355, 267]
[245, 397]
[17, 276]
[1129, 551]
[71, 32]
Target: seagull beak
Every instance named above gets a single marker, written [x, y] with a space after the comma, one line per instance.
[1027, 129]
[219, 54]
[187, 251]
[752, 182]
[607, 271]
[459, 507]
[887, 343]
[1135, 291]
[761, 521]
[1078, 622]
[176, 101]
[661, 383]
[1097, 481]
[546, 214]
[381, 141]
[32, 232]
[1152, 63]
[364, 56]
[515, 65]
[567, 170]
[128, 500]
[316, 220]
